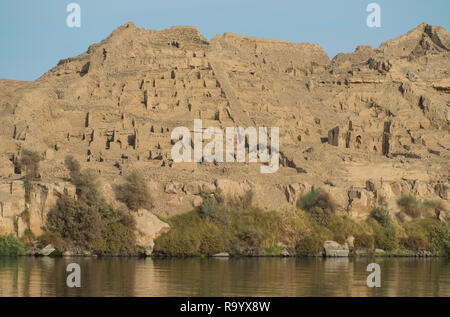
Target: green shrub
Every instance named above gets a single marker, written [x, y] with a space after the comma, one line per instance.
[321, 216]
[240, 232]
[273, 250]
[440, 237]
[73, 166]
[364, 240]
[434, 207]
[410, 206]
[28, 237]
[415, 243]
[250, 238]
[319, 205]
[53, 238]
[312, 244]
[91, 225]
[316, 198]
[76, 221]
[257, 227]
[116, 239]
[134, 192]
[11, 246]
[381, 216]
[212, 240]
[307, 201]
[210, 208]
[386, 240]
[184, 237]
[88, 222]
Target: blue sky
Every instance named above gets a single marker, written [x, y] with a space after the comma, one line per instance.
[34, 35]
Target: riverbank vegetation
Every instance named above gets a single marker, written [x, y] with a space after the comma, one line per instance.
[10, 245]
[235, 227]
[88, 221]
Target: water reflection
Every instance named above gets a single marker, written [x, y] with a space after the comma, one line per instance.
[28, 276]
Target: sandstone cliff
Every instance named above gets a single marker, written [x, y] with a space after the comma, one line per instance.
[365, 126]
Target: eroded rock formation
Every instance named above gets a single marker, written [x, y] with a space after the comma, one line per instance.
[373, 124]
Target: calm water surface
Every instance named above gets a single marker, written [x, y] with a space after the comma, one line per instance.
[29, 276]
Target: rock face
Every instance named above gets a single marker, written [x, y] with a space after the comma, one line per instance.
[366, 126]
[46, 251]
[148, 227]
[334, 249]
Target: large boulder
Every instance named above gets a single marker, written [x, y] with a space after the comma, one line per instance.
[148, 228]
[233, 190]
[334, 249]
[46, 251]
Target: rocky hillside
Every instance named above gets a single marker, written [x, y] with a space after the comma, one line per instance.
[367, 126]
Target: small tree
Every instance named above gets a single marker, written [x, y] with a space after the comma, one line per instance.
[29, 162]
[134, 192]
[75, 221]
[316, 198]
[73, 166]
[86, 181]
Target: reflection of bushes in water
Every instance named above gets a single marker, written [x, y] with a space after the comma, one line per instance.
[88, 222]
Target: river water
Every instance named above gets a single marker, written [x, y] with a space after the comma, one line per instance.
[44, 276]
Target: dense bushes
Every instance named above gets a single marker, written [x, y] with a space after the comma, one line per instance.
[76, 221]
[440, 237]
[416, 209]
[316, 198]
[319, 205]
[410, 206]
[426, 234]
[10, 245]
[381, 216]
[88, 222]
[364, 240]
[217, 226]
[134, 192]
[309, 245]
